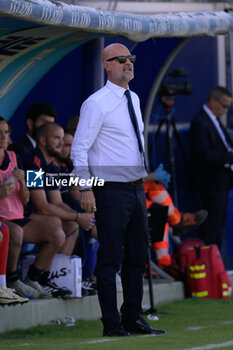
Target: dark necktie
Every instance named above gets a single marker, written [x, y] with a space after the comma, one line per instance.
[135, 125]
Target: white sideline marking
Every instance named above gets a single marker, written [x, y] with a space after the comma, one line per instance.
[98, 341]
[228, 322]
[194, 328]
[212, 346]
[20, 344]
[24, 344]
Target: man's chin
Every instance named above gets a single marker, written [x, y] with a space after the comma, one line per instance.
[129, 76]
[54, 154]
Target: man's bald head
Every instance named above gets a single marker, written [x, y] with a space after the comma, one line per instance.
[119, 73]
[50, 140]
[113, 50]
[46, 129]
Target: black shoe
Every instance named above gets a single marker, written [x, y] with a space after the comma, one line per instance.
[56, 291]
[142, 327]
[88, 287]
[117, 331]
[189, 222]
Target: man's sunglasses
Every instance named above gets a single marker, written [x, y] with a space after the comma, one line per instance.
[223, 105]
[123, 59]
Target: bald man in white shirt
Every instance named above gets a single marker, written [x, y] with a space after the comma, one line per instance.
[109, 144]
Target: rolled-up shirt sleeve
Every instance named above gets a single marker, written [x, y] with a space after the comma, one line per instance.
[90, 122]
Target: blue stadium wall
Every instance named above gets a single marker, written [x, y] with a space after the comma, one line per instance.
[69, 82]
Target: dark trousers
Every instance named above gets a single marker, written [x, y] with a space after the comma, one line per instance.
[211, 231]
[121, 219]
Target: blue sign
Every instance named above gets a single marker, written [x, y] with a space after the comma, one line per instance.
[35, 178]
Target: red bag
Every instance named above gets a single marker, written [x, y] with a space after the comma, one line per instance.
[205, 273]
[187, 253]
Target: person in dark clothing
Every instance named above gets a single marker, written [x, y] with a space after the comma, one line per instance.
[211, 151]
[37, 114]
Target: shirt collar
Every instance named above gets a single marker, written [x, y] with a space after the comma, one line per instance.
[210, 113]
[39, 153]
[118, 90]
[33, 142]
[5, 162]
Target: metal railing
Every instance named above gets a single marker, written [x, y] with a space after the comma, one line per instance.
[77, 2]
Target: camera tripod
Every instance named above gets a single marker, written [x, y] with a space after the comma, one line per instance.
[171, 134]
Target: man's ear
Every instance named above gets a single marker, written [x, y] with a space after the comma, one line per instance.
[106, 66]
[42, 140]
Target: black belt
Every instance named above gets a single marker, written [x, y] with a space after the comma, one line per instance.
[132, 183]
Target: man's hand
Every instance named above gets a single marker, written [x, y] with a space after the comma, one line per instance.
[87, 202]
[6, 189]
[150, 177]
[86, 220]
[20, 175]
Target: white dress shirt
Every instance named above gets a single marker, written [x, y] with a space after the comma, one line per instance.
[105, 144]
[33, 142]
